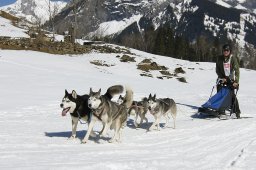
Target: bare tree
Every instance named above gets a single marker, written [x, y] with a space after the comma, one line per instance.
[52, 9]
[75, 11]
[36, 26]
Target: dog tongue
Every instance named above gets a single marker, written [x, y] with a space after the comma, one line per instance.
[64, 112]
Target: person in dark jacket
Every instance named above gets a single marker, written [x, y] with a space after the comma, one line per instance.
[227, 69]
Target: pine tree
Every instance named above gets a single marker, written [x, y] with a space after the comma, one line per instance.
[149, 39]
[160, 42]
[170, 43]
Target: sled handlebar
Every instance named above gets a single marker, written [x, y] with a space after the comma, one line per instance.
[226, 82]
[220, 81]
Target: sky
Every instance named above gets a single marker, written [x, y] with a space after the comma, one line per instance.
[6, 2]
[34, 135]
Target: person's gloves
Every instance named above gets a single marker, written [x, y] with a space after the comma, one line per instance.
[235, 85]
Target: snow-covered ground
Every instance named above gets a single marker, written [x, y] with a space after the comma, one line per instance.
[34, 135]
[8, 30]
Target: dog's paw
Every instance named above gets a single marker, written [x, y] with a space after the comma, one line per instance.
[84, 141]
[158, 128]
[72, 137]
[112, 140]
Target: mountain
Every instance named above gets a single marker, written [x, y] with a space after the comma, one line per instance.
[108, 17]
[248, 5]
[197, 25]
[187, 29]
[35, 10]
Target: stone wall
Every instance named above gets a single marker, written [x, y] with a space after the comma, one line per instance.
[55, 47]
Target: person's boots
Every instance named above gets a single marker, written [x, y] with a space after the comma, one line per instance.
[238, 114]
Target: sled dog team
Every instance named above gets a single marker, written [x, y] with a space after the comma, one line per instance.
[113, 115]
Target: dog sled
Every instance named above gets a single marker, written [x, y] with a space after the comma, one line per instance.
[219, 105]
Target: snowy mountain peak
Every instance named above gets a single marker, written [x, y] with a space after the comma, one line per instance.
[247, 5]
[35, 10]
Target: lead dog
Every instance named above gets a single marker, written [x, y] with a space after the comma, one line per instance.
[111, 114]
[162, 107]
[78, 108]
[139, 107]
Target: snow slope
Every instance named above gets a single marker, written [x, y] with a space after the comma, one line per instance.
[34, 135]
[7, 29]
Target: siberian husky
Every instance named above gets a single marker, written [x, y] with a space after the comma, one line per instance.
[111, 114]
[139, 107]
[78, 108]
[162, 107]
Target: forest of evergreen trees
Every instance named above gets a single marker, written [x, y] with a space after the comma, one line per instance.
[164, 41]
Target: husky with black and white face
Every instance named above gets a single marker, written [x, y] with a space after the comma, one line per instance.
[77, 106]
[162, 107]
[68, 103]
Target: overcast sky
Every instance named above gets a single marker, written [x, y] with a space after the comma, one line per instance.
[6, 2]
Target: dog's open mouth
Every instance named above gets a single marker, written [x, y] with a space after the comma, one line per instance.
[65, 111]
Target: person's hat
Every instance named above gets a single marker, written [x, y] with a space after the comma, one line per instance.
[226, 47]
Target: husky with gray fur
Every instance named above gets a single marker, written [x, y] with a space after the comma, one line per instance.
[162, 107]
[111, 114]
[78, 108]
[139, 107]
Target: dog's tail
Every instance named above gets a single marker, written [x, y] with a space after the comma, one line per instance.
[114, 90]
[133, 108]
[128, 98]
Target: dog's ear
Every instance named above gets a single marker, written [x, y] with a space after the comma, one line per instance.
[66, 92]
[149, 96]
[154, 97]
[74, 95]
[90, 91]
[99, 91]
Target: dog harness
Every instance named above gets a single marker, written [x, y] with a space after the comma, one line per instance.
[101, 109]
[78, 115]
